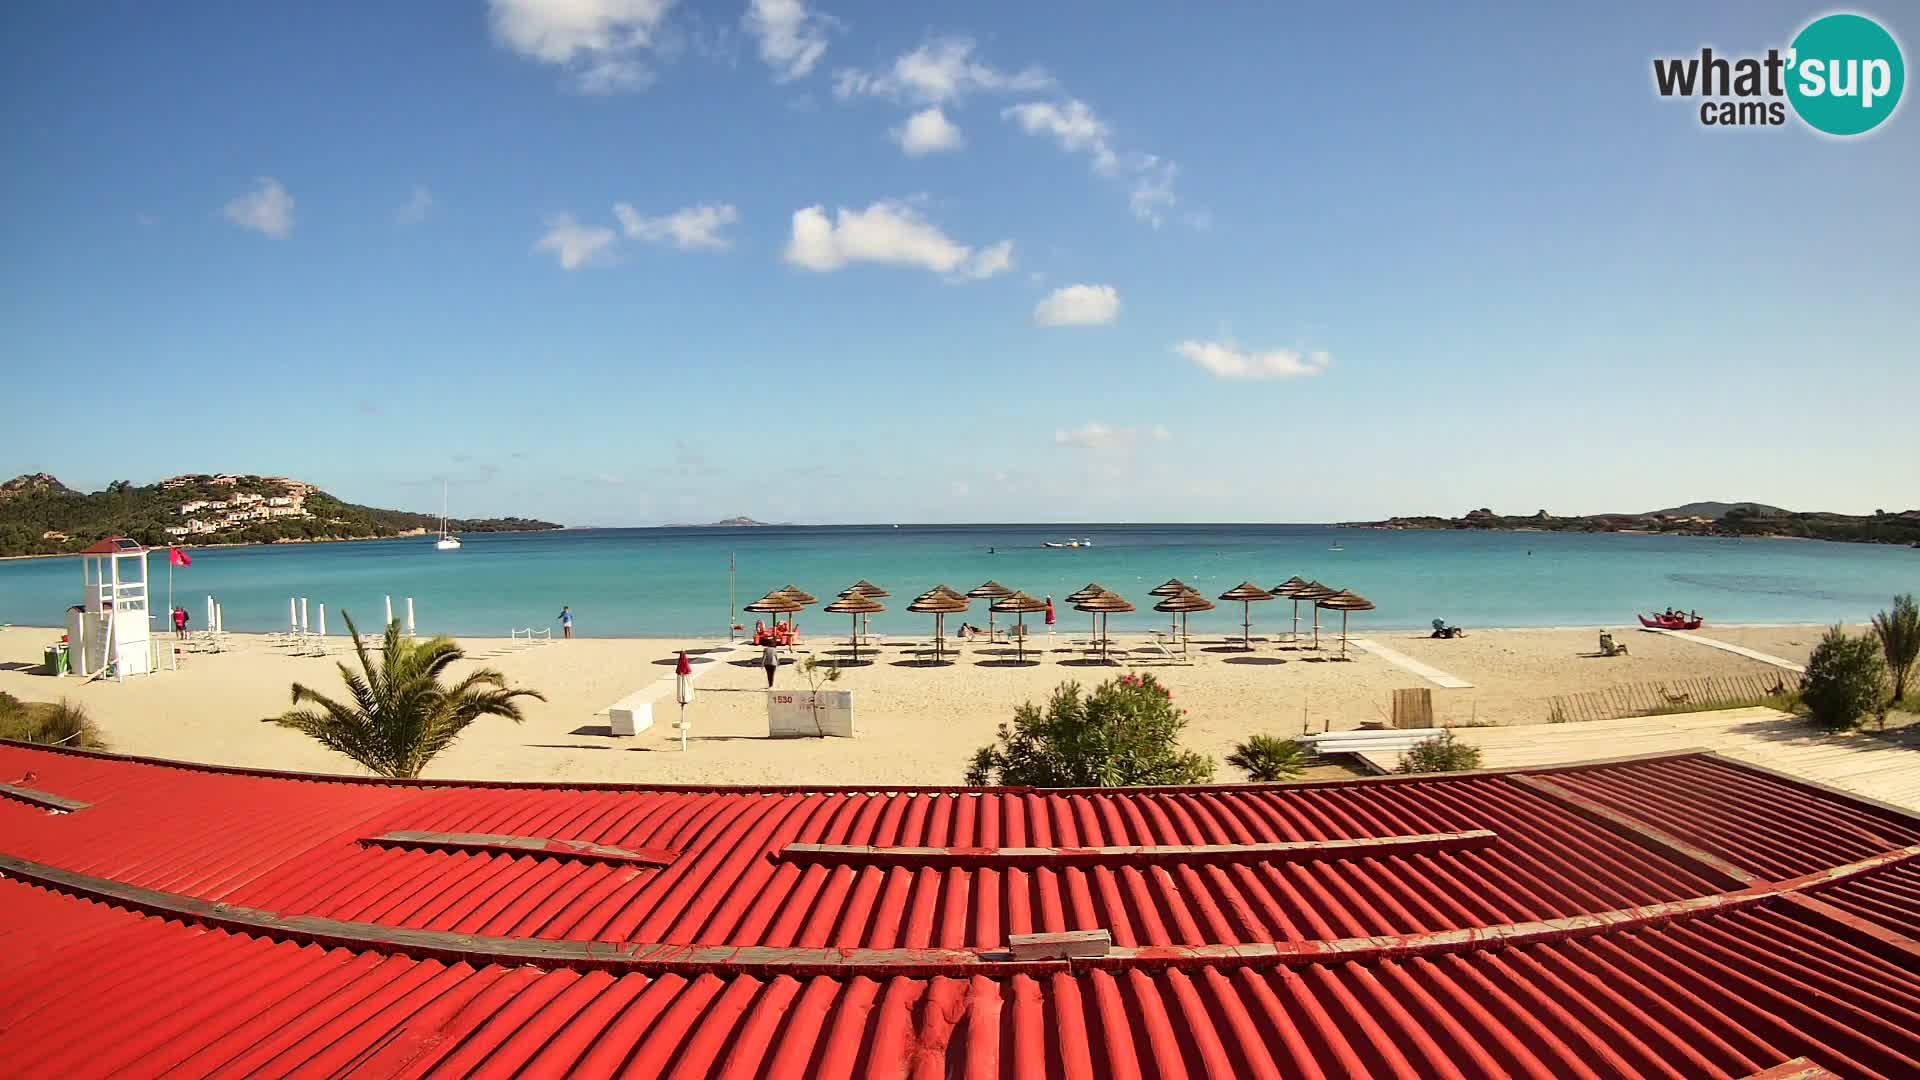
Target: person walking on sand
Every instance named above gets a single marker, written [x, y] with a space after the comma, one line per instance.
[770, 659]
[180, 623]
[566, 621]
[1049, 616]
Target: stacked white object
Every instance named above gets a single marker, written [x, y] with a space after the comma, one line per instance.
[1370, 740]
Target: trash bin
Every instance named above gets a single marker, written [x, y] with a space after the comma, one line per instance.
[56, 659]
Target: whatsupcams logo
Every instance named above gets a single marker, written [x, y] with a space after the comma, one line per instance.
[1842, 75]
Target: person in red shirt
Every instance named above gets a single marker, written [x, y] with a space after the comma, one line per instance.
[180, 623]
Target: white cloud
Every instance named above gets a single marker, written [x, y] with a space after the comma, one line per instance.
[792, 39]
[1229, 362]
[417, 207]
[1078, 130]
[695, 228]
[600, 41]
[889, 233]
[1098, 436]
[940, 71]
[267, 209]
[574, 244]
[1073, 125]
[928, 132]
[1078, 305]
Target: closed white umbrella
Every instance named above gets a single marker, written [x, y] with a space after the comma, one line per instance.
[323, 620]
[389, 621]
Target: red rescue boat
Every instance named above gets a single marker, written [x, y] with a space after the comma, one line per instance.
[1662, 622]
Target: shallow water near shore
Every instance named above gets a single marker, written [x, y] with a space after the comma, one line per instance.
[674, 582]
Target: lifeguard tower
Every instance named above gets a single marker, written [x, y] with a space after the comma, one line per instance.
[109, 631]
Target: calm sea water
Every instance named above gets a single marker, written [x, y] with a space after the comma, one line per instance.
[660, 582]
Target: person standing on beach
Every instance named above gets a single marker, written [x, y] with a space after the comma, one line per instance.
[566, 621]
[770, 659]
[180, 623]
[1049, 616]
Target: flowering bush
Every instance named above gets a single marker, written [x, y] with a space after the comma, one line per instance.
[1124, 734]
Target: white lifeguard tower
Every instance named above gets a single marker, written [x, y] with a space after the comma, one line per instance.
[109, 631]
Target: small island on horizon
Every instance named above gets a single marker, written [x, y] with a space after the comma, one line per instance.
[741, 522]
[1743, 519]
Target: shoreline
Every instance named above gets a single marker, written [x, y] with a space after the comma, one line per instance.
[290, 542]
[916, 723]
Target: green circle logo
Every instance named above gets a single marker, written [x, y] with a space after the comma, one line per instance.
[1845, 74]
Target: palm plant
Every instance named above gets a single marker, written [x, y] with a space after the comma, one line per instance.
[1267, 758]
[400, 714]
[1899, 634]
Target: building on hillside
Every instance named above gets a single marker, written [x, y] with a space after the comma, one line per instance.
[280, 500]
[246, 498]
[53, 534]
[195, 525]
[286, 511]
[172, 482]
[1678, 916]
[225, 480]
[193, 507]
[178, 530]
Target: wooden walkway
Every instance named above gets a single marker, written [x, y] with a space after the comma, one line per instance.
[1880, 767]
[1401, 660]
[1728, 646]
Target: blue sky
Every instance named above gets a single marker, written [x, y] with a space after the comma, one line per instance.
[628, 262]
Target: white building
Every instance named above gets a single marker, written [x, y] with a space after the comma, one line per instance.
[279, 500]
[193, 507]
[178, 530]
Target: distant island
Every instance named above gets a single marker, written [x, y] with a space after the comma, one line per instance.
[727, 523]
[1691, 519]
[41, 516]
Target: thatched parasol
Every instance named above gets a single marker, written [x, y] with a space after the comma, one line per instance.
[939, 605]
[945, 590]
[1290, 590]
[1100, 606]
[1172, 587]
[1093, 588]
[1180, 605]
[869, 590]
[1246, 594]
[989, 591]
[1344, 602]
[1313, 592]
[1019, 604]
[805, 598]
[856, 605]
[773, 604]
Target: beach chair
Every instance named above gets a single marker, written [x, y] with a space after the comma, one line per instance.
[1609, 647]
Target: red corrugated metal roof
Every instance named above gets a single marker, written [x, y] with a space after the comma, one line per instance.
[1674, 916]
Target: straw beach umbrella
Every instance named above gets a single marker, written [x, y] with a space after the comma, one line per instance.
[773, 604]
[872, 592]
[1344, 602]
[939, 605]
[806, 598]
[1172, 587]
[1313, 592]
[989, 591]
[1180, 605]
[1100, 607]
[1290, 590]
[1019, 604]
[1092, 589]
[1246, 594]
[856, 605]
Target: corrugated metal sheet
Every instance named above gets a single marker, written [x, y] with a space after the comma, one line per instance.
[96, 988]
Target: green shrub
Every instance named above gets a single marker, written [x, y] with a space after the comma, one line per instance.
[1843, 680]
[1899, 634]
[64, 724]
[1442, 753]
[1124, 734]
[1267, 758]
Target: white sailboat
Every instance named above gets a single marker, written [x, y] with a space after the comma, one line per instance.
[447, 541]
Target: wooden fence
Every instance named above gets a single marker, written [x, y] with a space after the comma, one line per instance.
[1677, 695]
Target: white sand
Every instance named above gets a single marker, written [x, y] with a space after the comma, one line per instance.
[917, 724]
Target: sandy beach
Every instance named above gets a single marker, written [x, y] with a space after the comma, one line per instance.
[917, 724]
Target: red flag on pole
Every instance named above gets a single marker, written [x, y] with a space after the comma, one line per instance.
[176, 557]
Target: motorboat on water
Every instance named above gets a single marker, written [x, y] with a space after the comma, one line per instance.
[1671, 622]
[1068, 543]
[447, 541]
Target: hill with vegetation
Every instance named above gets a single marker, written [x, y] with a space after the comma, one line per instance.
[41, 516]
[1736, 519]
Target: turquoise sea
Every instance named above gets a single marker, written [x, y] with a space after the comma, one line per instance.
[662, 582]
